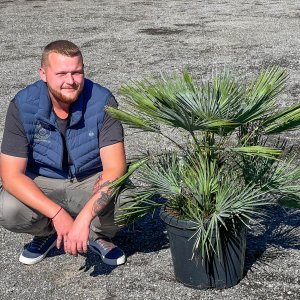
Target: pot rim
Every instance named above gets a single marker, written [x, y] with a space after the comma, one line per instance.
[175, 222]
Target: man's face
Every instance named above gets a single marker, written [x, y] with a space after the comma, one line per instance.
[64, 77]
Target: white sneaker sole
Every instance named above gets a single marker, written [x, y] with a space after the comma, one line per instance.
[32, 261]
[112, 262]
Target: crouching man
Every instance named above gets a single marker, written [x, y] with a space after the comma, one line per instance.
[60, 153]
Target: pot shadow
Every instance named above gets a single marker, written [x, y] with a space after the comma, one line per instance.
[278, 231]
[146, 235]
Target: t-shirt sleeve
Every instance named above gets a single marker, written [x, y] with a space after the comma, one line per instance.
[14, 140]
[112, 130]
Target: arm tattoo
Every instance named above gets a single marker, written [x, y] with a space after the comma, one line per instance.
[104, 197]
[98, 185]
[100, 203]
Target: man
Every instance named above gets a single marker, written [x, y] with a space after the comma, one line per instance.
[60, 153]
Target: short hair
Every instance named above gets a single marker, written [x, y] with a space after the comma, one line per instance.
[63, 47]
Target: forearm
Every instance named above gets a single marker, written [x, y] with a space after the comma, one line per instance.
[114, 166]
[24, 189]
[103, 193]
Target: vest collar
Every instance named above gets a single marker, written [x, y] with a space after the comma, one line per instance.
[76, 110]
[44, 113]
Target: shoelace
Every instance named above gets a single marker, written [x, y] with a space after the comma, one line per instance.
[39, 241]
[105, 244]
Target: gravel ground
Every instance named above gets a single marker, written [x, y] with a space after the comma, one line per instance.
[125, 39]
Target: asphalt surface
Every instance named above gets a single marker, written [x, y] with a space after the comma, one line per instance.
[123, 40]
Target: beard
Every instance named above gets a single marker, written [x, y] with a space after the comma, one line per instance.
[66, 98]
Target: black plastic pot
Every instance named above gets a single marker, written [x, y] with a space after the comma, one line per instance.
[203, 273]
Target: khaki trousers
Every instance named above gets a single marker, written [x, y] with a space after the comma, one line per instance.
[71, 195]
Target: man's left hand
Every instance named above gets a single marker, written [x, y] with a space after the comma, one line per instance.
[78, 236]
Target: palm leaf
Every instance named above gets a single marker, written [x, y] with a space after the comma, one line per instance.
[141, 204]
[134, 166]
[262, 151]
[132, 120]
[232, 202]
[283, 182]
[177, 102]
[260, 100]
[282, 121]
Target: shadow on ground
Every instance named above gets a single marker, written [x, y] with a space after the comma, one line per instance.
[279, 230]
[146, 235]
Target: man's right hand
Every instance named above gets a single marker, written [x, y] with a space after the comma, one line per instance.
[62, 223]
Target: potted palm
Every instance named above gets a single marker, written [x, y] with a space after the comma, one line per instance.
[221, 165]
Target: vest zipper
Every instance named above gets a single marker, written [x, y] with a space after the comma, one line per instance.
[71, 176]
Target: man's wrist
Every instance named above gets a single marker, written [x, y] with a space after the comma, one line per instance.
[59, 210]
[53, 210]
[85, 217]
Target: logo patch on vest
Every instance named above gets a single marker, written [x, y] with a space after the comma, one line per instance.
[42, 132]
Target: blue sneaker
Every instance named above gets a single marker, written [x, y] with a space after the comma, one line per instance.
[109, 252]
[37, 249]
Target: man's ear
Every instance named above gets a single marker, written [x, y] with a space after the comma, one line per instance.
[43, 74]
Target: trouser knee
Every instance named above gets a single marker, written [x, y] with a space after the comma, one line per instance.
[17, 217]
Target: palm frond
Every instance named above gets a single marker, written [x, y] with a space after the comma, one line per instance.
[162, 177]
[260, 98]
[141, 204]
[132, 120]
[131, 169]
[232, 203]
[283, 121]
[215, 104]
[283, 182]
[262, 151]
[177, 102]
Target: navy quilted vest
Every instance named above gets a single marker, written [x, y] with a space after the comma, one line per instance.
[82, 135]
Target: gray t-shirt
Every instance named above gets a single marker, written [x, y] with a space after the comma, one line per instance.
[15, 142]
